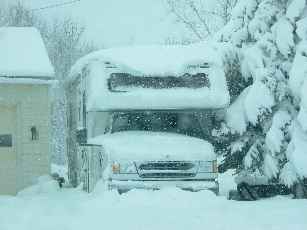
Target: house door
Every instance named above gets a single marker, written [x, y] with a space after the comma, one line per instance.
[8, 155]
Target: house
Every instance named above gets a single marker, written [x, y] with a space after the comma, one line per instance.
[26, 75]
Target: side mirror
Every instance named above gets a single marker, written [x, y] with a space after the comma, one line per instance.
[82, 136]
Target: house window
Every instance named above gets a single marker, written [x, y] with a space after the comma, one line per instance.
[6, 140]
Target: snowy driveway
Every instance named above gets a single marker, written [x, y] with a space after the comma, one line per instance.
[166, 209]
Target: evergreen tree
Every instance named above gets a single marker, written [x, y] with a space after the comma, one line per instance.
[266, 125]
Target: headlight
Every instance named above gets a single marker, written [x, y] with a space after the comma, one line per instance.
[115, 167]
[123, 167]
[207, 166]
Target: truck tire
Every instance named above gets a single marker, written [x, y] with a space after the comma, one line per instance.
[233, 195]
[299, 191]
[246, 192]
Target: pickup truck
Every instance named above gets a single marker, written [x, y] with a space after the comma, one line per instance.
[151, 150]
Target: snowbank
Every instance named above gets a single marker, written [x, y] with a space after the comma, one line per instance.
[139, 145]
[154, 61]
[227, 182]
[44, 185]
[170, 208]
[23, 53]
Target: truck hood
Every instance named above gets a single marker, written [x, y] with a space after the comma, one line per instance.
[154, 146]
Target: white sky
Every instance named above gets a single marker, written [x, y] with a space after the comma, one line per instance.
[118, 22]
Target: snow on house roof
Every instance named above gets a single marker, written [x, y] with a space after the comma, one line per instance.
[23, 54]
[153, 61]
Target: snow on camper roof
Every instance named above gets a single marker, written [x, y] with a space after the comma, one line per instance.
[23, 53]
[153, 63]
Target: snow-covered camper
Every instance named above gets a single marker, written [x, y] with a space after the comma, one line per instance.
[146, 112]
[25, 78]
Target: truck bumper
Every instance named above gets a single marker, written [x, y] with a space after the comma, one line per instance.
[190, 185]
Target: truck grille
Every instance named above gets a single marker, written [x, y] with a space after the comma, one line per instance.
[171, 165]
[167, 169]
[167, 175]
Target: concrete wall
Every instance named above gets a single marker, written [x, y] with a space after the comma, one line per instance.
[33, 109]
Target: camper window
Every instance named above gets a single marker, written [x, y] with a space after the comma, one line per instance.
[175, 122]
[123, 82]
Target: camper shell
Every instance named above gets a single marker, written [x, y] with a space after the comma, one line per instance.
[143, 114]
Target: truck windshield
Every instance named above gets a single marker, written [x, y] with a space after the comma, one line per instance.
[175, 122]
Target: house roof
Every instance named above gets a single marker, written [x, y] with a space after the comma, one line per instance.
[23, 54]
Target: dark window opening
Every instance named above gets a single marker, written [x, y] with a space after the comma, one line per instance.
[122, 82]
[182, 123]
[6, 140]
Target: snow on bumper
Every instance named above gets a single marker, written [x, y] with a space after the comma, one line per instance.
[191, 185]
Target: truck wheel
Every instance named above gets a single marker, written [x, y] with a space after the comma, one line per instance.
[122, 191]
[246, 192]
[233, 195]
[299, 191]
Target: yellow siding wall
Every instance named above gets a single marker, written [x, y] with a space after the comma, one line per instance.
[33, 109]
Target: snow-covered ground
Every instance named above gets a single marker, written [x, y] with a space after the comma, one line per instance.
[45, 207]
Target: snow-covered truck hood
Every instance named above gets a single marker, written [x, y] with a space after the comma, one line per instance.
[141, 145]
